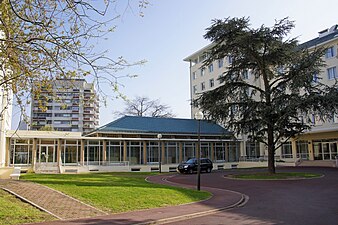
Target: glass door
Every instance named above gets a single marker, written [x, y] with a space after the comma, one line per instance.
[47, 154]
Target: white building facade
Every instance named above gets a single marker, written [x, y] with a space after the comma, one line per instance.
[321, 143]
[71, 105]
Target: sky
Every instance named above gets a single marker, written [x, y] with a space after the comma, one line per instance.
[171, 30]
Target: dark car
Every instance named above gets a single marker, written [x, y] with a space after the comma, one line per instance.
[190, 166]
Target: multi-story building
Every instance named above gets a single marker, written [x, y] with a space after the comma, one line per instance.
[69, 105]
[321, 143]
[5, 121]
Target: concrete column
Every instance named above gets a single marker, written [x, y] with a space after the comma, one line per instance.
[7, 152]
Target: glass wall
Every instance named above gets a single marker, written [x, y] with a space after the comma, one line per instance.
[287, 150]
[252, 150]
[135, 152]
[219, 152]
[188, 150]
[114, 151]
[46, 152]
[206, 150]
[93, 153]
[21, 152]
[325, 149]
[171, 152]
[302, 150]
[233, 151]
[70, 153]
[153, 152]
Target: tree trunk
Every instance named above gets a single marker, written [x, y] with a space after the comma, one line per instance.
[271, 151]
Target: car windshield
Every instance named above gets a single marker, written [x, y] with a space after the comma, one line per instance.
[191, 161]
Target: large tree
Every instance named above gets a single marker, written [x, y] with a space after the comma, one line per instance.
[273, 105]
[144, 106]
[44, 40]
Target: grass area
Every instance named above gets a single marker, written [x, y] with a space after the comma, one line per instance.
[117, 192]
[14, 211]
[276, 176]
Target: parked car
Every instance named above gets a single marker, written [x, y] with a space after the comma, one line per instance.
[190, 166]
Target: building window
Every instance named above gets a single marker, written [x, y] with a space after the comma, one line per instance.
[252, 150]
[230, 59]
[287, 150]
[193, 75]
[220, 79]
[202, 71]
[203, 86]
[220, 63]
[330, 52]
[194, 89]
[315, 78]
[332, 73]
[211, 67]
[245, 74]
[211, 83]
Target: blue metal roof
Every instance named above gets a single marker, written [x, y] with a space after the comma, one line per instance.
[136, 124]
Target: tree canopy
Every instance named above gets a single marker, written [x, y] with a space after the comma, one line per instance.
[268, 90]
[143, 106]
[44, 40]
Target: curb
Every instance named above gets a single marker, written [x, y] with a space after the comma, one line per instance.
[238, 204]
[244, 199]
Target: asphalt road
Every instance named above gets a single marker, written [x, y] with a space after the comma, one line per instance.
[291, 202]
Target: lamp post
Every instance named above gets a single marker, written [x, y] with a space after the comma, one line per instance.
[159, 136]
[199, 117]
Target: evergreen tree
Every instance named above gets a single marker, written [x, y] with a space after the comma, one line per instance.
[272, 106]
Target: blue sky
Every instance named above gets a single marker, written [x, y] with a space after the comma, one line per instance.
[173, 29]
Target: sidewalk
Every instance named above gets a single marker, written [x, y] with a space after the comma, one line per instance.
[46, 199]
[221, 200]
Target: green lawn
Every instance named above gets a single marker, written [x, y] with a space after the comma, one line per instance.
[14, 211]
[117, 192]
[276, 176]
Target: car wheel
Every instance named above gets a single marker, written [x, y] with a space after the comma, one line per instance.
[209, 170]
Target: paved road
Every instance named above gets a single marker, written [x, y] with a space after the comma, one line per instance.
[310, 202]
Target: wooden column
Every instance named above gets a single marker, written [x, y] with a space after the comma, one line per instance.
[144, 143]
[104, 153]
[180, 152]
[82, 153]
[163, 158]
[294, 148]
[58, 154]
[212, 151]
[34, 151]
[124, 151]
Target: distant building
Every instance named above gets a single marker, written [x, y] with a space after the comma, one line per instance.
[70, 105]
[321, 143]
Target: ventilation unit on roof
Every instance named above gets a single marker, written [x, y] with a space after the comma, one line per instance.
[328, 31]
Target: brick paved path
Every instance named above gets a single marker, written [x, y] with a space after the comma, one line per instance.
[54, 202]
